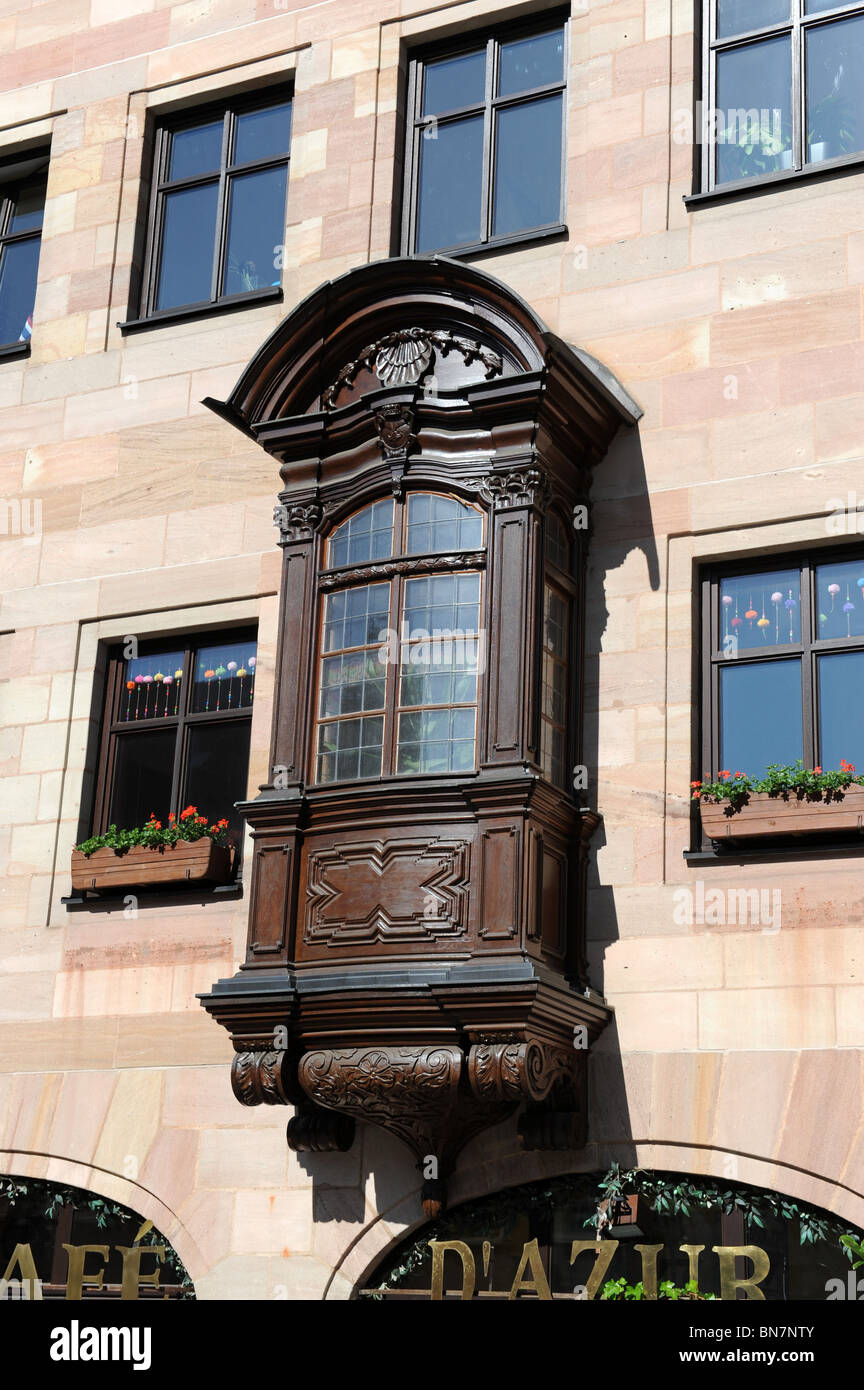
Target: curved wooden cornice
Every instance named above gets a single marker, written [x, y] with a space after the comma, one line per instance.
[318, 358]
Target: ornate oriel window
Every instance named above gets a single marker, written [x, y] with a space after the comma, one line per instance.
[400, 657]
[416, 931]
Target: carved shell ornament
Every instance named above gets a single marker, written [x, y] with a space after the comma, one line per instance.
[403, 362]
[401, 358]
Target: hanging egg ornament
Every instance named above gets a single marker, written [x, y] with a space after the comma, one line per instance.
[848, 607]
[251, 663]
[764, 622]
[790, 603]
[833, 588]
[178, 674]
[823, 617]
[232, 665]
[158, 676]
[751, 614]
[130, 685]
[727, 599]
[860, 583]
[777, 596]
[736, 621]
[241, 672]
[208, 675]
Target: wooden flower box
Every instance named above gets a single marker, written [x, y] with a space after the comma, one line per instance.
[189, 861]
[765, 815]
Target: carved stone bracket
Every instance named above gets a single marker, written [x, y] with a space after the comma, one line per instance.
[519, 487]
[401, 358]
[432, 1097]
[263, 1078]
[297, 521]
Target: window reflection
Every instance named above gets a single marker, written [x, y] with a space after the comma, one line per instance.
[841, 711]
[437, 523]
[835, 99]
[367, 535]
[760, 715]
[754, 92]
[528, 166]
[451, 185]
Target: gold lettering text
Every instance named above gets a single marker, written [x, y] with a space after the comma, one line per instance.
[76, 1278]
[649, 1255]
[132, 1275]
[605, 1250]
[538, 1283]
[469, 1270]
[727, 1254]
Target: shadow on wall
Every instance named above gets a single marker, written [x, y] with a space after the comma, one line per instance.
[624, 566]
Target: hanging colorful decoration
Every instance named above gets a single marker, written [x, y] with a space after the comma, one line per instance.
[139, 681]
[208, 676]
[833, 590]
[130, 686]
[848, 609]
[777, 599]
[751, 612]
[764, 622]
[232, 668]
[727, 604]
[169, 681]
[790, 605]
[221, 673]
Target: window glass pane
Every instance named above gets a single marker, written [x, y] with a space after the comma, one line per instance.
[527, 63]
[740, 16]
[262, 134]
[840, 599]
[350, 749]
[188, 235]
[356, 617]
[760, 716]
[452, 83]
[256, 230]
[760, 610]
[217, 770]
[352, 683]
[367, 535]
[841, 710]
[557, 542]
[143, 768]
[817, 6]
[152, 687]
[754, 98]
[528, 166]
[29, 206]
[555, 626]
[554, 691]
[18, 265]
[196, 151]
[438, 523]
[436, 741]
[443, 602]
[450, 185]
[439, 673]
[225, 676]
[835, 96]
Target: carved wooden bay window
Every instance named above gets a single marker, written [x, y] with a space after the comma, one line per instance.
[416, 938]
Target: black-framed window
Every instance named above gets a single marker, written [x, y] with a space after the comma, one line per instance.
[22, 210]
[784, 663]
[176, 730]
[781, 87]
[485, 148]
[400, 658]
[217, 207]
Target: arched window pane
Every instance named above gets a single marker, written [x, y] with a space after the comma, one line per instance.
[437, 523]
[557, 543]
[367, 535]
